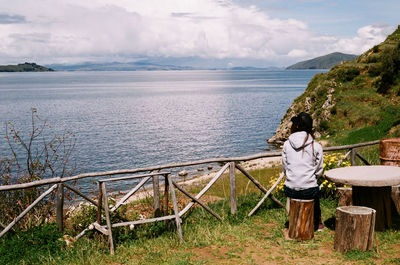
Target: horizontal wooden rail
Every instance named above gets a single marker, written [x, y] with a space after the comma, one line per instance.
[176, 165]
[350, 146]
[144, 221]
[134, 177]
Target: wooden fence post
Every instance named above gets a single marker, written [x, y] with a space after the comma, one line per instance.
[176, 210]
[353, 154]
[165, 202]
[60, 207]
[107, 214]
[99, 204]
[232, 187]
[156, 196]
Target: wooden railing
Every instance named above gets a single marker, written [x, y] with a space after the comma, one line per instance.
[154, 172]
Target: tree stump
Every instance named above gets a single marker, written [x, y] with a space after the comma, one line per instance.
[301, 219]
[355, 226]
[345, 196]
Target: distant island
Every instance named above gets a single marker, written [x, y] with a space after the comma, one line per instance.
[117, 66]
[144, 66]
[323, 62]
[24, 67]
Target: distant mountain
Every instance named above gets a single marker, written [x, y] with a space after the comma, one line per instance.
[116, 66]
[250, 68]
[24, 67]
[145, 66]
[323, 62]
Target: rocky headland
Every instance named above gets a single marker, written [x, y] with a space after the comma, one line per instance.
[355, 101]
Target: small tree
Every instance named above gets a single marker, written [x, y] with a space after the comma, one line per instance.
[33, 156]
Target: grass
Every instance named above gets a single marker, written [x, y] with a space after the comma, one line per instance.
[238, 239]
[383, 122]
[358, 100]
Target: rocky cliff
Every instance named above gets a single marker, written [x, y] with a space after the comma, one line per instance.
[356, 100]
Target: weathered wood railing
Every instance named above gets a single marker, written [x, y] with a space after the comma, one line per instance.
[231, 163]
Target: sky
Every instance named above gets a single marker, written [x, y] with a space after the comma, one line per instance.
[227, 33]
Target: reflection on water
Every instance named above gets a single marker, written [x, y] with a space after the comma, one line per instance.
[136, 119]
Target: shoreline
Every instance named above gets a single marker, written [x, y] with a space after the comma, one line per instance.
[259, 163]
[146, 192]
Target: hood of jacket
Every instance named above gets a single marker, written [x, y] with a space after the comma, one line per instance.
[296, 140]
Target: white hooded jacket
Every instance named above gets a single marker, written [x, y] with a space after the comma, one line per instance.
[302, 167]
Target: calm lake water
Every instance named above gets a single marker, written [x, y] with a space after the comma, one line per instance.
[135, 119]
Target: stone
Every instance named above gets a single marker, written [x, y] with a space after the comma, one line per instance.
[182, 173]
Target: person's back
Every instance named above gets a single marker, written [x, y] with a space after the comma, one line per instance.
[302, 165]
[302, 162]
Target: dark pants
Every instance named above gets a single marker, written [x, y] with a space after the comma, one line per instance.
[307, 194]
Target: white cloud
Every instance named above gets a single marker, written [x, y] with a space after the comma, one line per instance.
[79, 30]
[367, 37]
[297, 53]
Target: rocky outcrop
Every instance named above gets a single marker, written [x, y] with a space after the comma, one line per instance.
[313, 99]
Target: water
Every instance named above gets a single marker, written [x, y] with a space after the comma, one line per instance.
[137, 119]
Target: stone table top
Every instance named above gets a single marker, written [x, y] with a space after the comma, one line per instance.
[366, 176]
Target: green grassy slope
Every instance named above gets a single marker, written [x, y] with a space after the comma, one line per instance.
[358, 100]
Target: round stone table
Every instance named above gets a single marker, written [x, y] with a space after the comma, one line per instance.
[371, 188]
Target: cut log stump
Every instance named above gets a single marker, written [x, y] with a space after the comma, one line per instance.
[345, 196]
[355, 226]
[301, 219]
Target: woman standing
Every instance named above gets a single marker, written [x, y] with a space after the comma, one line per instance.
[302, 161]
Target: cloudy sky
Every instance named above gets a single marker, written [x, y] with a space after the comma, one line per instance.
[234, 32]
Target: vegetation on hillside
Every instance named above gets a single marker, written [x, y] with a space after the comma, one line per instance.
[357, 100]
[24, 67]
[323, 62]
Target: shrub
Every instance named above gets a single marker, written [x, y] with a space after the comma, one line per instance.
[324, 125]
[374, 70]
[347, 73]
[279, 189]
[390, 60]
[33, 157]
[334, 160]
[82, 217]
[334, 110]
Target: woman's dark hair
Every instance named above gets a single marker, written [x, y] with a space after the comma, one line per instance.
[303, 122]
